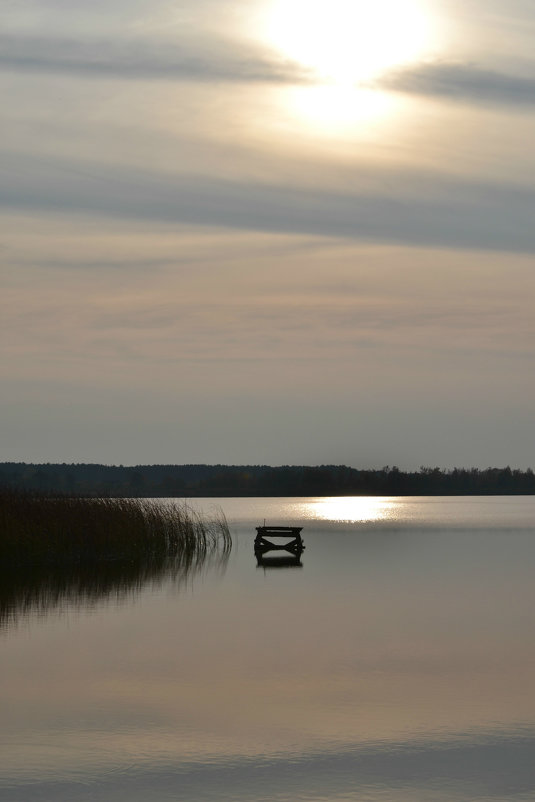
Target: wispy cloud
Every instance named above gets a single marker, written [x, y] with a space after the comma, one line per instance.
[421, 209]
[213, 60]
[463, 82]
[146, 60]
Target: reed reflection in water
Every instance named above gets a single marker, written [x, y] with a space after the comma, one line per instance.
[58, 549]
[42, 589]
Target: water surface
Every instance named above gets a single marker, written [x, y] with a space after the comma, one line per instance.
[395, 660]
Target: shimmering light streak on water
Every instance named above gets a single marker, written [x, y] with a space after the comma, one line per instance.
[397, 663]
[353, 509]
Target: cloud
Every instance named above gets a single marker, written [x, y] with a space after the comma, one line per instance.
[146, 60]
[420, 209]
[463, 82]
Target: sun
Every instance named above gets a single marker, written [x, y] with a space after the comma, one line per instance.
[349, 41]
[341, 47]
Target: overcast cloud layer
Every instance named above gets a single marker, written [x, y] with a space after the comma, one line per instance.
[203, 262]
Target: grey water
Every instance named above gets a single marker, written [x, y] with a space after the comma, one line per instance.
[393, 660]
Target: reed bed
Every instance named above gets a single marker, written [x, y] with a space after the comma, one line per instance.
[38, 529]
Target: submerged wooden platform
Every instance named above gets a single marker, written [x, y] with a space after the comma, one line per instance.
[264, 534]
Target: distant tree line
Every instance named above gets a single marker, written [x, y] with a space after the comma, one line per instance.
[189, 481]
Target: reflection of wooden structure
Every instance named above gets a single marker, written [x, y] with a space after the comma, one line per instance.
[293, 561]
[264, 540]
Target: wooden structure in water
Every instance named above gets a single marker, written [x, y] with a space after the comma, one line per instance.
[292, 535]
[287, 561]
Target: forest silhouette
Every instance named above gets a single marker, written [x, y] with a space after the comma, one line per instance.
[191, 481]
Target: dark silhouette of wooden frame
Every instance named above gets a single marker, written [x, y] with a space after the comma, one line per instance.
[264, 535]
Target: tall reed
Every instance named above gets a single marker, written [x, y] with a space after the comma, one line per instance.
[38, 529]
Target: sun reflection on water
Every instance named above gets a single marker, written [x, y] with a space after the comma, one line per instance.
[352, 509]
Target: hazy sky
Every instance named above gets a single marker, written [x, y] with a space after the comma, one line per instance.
[268, 231]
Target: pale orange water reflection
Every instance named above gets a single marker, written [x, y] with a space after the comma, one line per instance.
[397, 664]
[353, 509]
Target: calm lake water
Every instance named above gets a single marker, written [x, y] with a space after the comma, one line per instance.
[395, 662]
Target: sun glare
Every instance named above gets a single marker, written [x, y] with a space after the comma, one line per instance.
[343, 46]
[335, 107]
[349, 41]
[352, 509]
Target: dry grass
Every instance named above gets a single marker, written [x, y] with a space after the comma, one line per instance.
[41, 530]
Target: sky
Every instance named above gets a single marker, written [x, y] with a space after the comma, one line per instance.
[268, 232]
